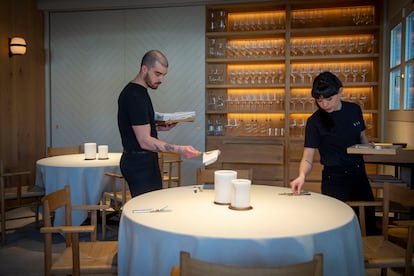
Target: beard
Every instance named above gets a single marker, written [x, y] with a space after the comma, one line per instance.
[150, 83]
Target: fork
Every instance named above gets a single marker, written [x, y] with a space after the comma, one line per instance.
[150, 210]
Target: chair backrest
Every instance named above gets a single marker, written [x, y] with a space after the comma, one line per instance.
[54, 151]
[170, 166]
[404, 196]
[16, 189]
[398, 194]
[190, 266]
[55, 200]
[117, 178]
[206, 176]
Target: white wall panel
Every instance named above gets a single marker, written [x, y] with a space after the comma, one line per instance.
[95, 53]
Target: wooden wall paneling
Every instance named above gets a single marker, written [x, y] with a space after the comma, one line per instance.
[22, 90]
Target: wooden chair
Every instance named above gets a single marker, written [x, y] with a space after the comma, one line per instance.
[94, 257]
[379, 251]
[116, 198]
[170, 166]
[54, 151]
[16, 191]
[206, 176]
[194, 267]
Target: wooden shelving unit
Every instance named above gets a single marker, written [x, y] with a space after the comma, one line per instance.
[261, 60]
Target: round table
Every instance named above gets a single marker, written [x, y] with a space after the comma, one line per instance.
[85, 177]
[280, 229]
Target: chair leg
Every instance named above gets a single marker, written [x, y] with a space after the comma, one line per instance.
[103, 224]
[3, 211]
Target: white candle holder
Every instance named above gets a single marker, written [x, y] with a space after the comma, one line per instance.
[103, 152]
[222, 186]
[90, 151]
[240, 196]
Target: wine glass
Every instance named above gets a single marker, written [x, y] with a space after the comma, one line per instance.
[346, 71]
[301, 126]
[292, 126]
[322, 46]
[362, 100]
[364, 72]
[355, 71]
[293, 73]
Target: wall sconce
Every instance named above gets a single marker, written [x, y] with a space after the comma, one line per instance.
[17, 46]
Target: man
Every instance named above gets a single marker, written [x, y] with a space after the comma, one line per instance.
[136, 123]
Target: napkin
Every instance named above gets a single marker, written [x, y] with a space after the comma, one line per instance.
[210, 157]
[174, 116]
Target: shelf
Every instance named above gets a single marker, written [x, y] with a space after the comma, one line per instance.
[274, 56]
[345, 30]
[248, 34]
[256, 60]
[335, 57]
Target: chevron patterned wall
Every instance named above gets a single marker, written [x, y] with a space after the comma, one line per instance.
[93, 54]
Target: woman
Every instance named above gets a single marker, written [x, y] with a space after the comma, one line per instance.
[331, 129]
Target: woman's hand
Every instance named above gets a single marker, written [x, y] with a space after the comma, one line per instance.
[297, 184]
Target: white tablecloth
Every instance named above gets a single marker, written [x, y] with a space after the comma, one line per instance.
[280, 229]
[85, 177]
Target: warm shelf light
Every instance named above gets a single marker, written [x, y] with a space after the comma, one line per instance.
[17, 46]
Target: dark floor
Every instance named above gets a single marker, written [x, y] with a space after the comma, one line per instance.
[23, 252]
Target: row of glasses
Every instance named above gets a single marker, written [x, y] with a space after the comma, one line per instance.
[302, 103]
[216, 126]
[364, 44]
[347, 72]
[305, 73]
[264, 102]
[217, 21]
[256, 76]
[347, 16]
[216, 102]
[256, 21]
[358, 98]
[255, 48]
[297, 126]
[216, 74]
[255, 126]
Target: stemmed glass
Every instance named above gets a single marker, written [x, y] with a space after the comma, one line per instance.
[364, 72]
[362, 99]
[322, 46]
[303, 47]
[294, 101]
[302, 74]
[302, 101]
[292, 126]
[355, 71]
[301, 126]
[341, 46]
[311, 100]
[281, 75]
[293, 72]
[346, 71]
[351, 46]
[353, 98]
[310, 73]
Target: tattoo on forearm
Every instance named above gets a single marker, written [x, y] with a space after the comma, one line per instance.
[307, 161]
[169, 147]
[157, 149]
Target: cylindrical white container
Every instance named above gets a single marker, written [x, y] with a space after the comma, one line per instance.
[222, 186]
[90, 151]
[240, 197]
[103, 151]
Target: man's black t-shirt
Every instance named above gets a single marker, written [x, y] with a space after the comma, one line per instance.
[134, 108]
